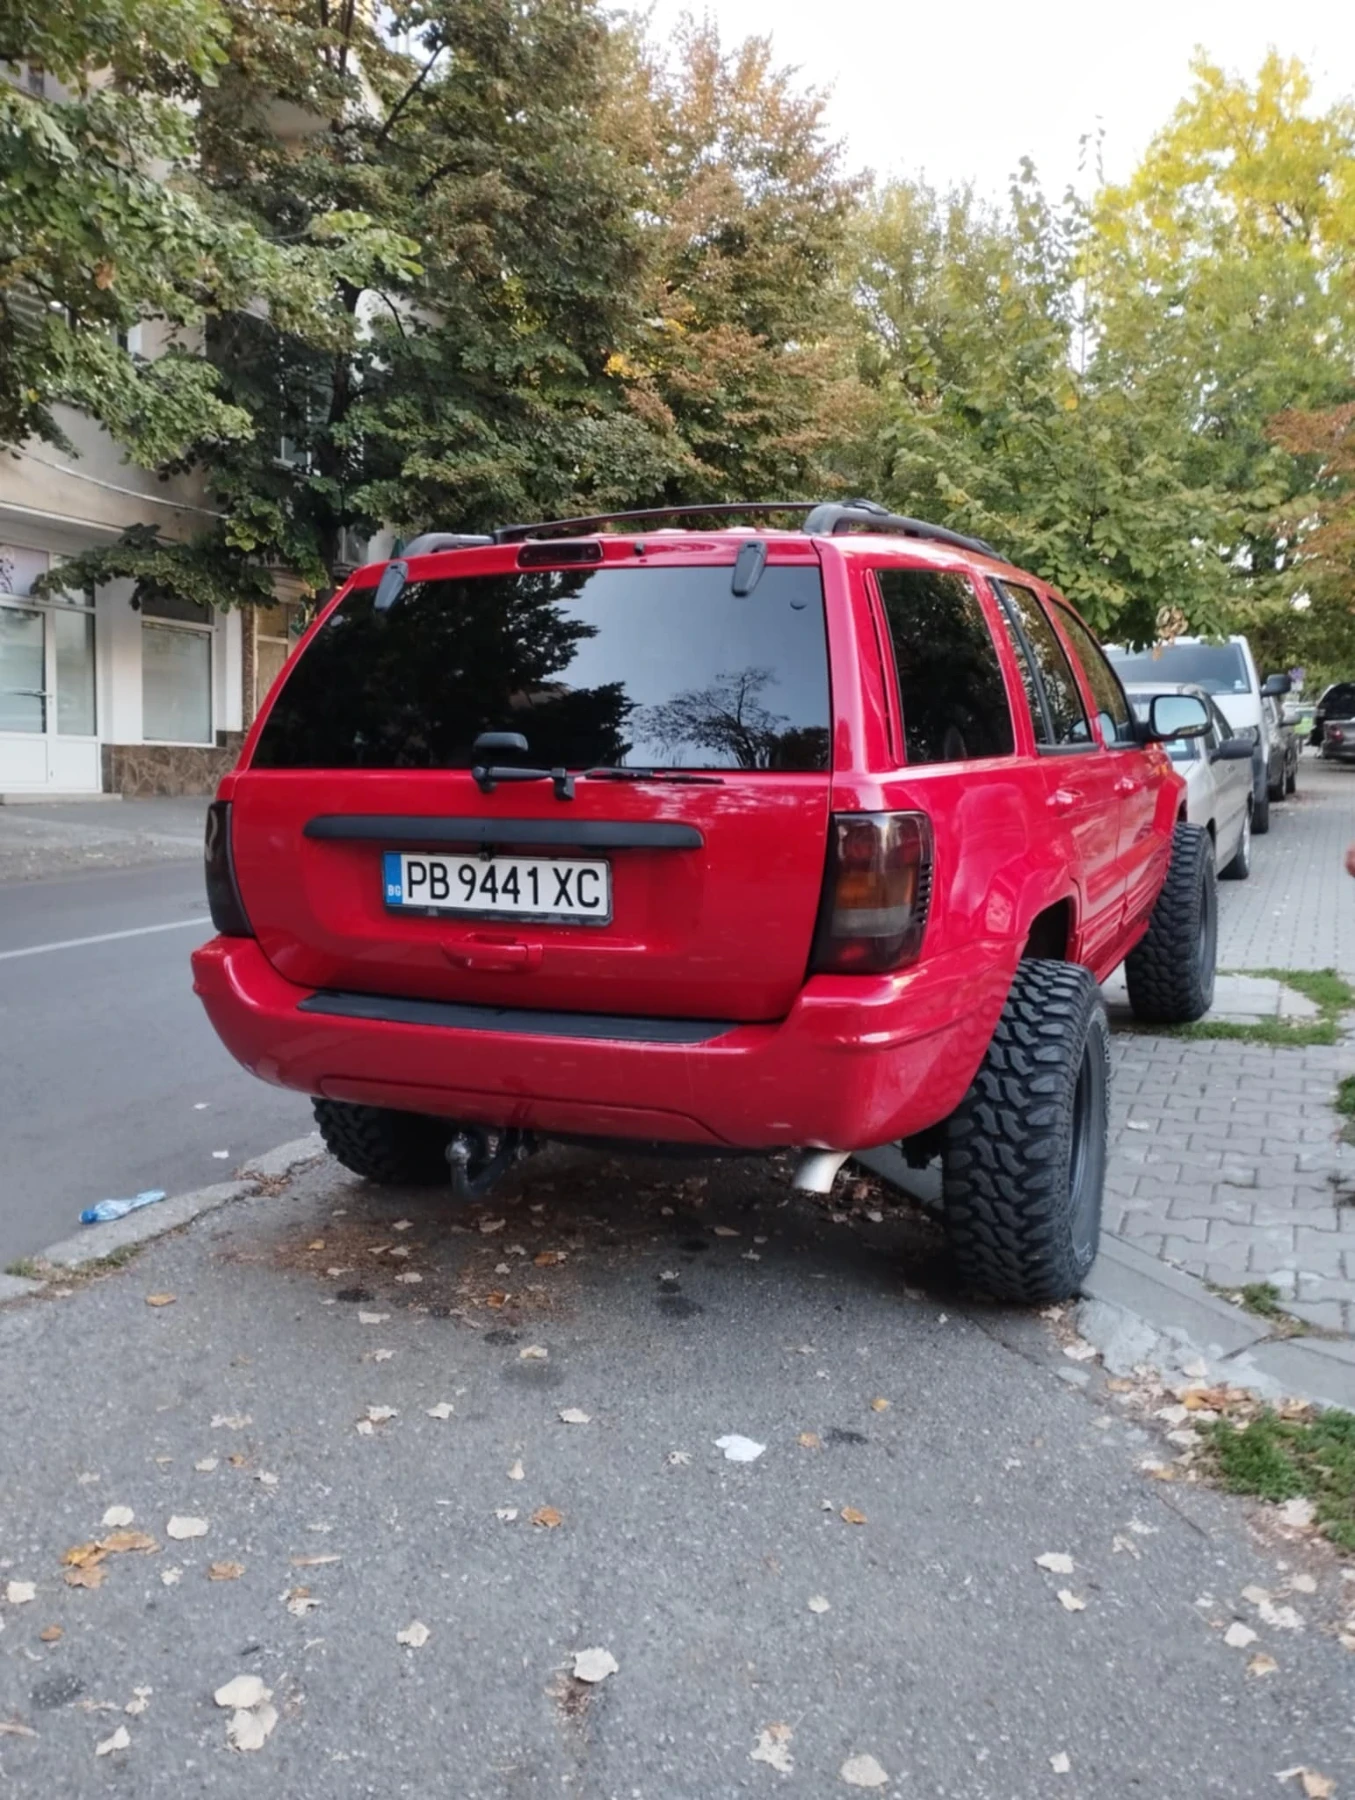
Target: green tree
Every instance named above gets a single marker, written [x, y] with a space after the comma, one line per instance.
[105, 224]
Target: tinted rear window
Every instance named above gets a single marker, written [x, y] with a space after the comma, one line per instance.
[648, 667]
[1217, 668]
[951, 690]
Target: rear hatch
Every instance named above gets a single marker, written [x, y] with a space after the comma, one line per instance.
[680, 878]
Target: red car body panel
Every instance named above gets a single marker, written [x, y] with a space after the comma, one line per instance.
[720, 934]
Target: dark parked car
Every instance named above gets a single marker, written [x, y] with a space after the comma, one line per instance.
[1335, 704]
[1282, 773]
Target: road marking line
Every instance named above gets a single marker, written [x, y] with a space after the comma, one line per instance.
[106, 937]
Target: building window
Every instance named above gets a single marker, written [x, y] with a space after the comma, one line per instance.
[176, 672]
[277, 631]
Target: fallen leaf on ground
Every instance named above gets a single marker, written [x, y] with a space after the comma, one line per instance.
[1238, 1636]
[818, 1604]
[19, 1593]
[1126, 1545]
[739, 1449]
[505, 1514]
[496, 1299]
[1079, 1350]
[678, 1459]
[299, 1602]
[182, 1527]
[879, 1404]
[120, 1740]
[266, 1478]
[443, 1410]
[365, 1428]
[1071, 1602]
[250, 1729]
[851, 1516]
[724, 1231]
[533, 1353]
[489, 1225]
[231, 1421]
[91, 1577]
[1315, 1786]
[170, 1577]
[161, 1299]
[12, 1729]
[225, 1571]
[416, 1634]
[547, 1259]
[316, 1244]
[548, 1516]
[315, 1562]
[51, 1634]
[517, 1472]
[863, 1771]
[1282, 1618]
[119, 1543]
[1056, 1561]
[1059, 1762]
[1261, 1664]
[1298, 1512]
[366, 1318]
[382, 1355]
[403, 1225]
[137, 1706]
[809, 1440]
[1303, 1583]
[772, 1747]
[206, 1465]
[379, 1414]
[244, 1691]
[572, 1416]
[409, 1276]
[594, 1665]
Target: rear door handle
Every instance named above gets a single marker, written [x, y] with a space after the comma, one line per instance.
[1062, 799]
[488, 956]
[1127, 785]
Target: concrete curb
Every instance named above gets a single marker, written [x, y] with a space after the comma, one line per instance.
[1139, 1311]
[96, 1242]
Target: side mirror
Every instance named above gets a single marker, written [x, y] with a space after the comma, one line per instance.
[1233, 749]
[1275, 685]
[1176, 716]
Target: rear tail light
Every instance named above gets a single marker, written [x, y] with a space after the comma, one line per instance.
[223, 896]
[1335, 733]
[875, 893]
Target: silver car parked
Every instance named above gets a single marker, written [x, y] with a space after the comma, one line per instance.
[1218, 772]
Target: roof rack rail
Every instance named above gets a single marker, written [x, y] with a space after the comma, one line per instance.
[717, 509]
[833, 518]
[430, 541]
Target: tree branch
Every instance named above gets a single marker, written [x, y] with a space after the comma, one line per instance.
[408, 95]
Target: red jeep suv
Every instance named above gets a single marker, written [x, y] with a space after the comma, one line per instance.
[730, 839]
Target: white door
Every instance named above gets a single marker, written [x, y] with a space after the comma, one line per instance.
[48, 727]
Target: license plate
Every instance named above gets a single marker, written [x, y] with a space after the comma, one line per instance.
[505, 887]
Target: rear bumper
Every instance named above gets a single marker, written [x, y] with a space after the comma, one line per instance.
[856, 1063]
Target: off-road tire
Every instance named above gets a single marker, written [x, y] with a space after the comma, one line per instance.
[1170, 972]
[1239, 867]
[1260, 815]
[1291, 780]
[1024, 1161]
[395, 1149]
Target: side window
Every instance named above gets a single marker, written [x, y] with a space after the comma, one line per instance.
[951, 690]
[1030, 681]
[1067, 715]
[1220, 729]
[1112, 709]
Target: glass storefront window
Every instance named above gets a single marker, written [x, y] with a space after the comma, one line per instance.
[176, 684]
[74, 633]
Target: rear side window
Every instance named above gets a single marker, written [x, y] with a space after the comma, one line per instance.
[1068, 724]
[951, 689]
[1112, 709]
[643, 667]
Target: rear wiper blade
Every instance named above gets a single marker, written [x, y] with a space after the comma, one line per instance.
[487, 777]
[675, 776]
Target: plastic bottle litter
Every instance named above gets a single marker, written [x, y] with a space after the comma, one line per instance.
[107, 1210]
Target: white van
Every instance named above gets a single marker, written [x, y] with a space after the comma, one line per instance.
[1225, 669]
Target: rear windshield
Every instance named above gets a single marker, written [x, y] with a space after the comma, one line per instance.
[607, 667]
[1217, 668]
[1339, 701]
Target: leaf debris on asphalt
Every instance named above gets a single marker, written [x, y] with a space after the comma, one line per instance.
[1056, 1561]
[850, 1515]
[594, 1665]
[225, 1571]
[140, 1701]
[863, 1771]
[1071, 1602]
[1315, 1786]
[818, 1603]
[738, 1448]
[1238, 1635]
[548, 1517]
[205, 1465]
[1261, 1664]
[443, 1410]
[120, 1740]
[161, 1299]
[181, 1526]
[517, 1472]
[773, 1747]
[415, 1635]
[533, 1353]
[1059, 1762]
[571, 1415]
[231, 1421]
[19, 1593]
[371, 1318]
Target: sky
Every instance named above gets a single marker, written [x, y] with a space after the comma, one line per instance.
[961, 93]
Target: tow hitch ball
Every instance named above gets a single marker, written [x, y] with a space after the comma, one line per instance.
[477, 1159]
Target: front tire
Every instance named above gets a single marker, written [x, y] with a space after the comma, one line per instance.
[1239, 867]
[1170, 971]
[1024, 1159]
[394, 1149]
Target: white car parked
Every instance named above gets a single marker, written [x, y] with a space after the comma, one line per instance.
[1218, 772]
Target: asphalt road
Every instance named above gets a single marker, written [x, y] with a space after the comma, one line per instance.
[743, 1607]
[105, 1055]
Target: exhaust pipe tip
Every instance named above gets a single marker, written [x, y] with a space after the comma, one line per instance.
[818, 1171]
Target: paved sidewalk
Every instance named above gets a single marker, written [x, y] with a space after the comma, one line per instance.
[40, 840]
[1297, 911]
[1228, 1158]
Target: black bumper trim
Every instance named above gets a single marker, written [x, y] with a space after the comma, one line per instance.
[416, 829]
[452, 1016]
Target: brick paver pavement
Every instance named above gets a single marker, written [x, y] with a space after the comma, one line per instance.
[1228, 1158]
[1298, 909]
